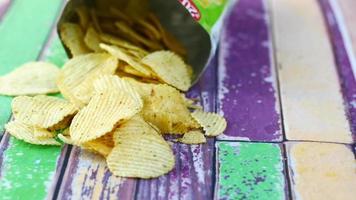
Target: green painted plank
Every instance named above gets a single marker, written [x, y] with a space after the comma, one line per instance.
[250, 171]
[27, 170]
[23, 31]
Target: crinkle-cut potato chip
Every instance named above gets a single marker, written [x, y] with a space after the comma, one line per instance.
[103, 113]
[73, 38]
[111, 81]
[42, 133]
[212, 123]
[109, 39]
[92, 39]
[43, 111]
[130, 70]
[102, 145]
[164, 107]
[136, 125]
[83, 16]
[78, 74]
[170, 68]
[140, 154]
[30, 79]
[124, 28]
[122, 55]
[25, 132]
[193, 137]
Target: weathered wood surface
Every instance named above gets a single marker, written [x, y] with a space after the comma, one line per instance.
[312, 104]
[248, 94]
[250, 171]
[321, 171]
[343, 58]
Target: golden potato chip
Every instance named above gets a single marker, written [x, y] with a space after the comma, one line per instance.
[30, 79]
[193, 137]
[102, 145]
[42, 133]
[111, 81]
[103, 113]
[92, 39]
[95, 20]
[164, 107]
[136, 125]
[125, 29]
[109, 39]
[25, 132]
[75, 80]
[83, 16]
[73, 38]
[122, 55]
[152, 31]
[130, 70]
[43, 111]
[120, 15]
[170, 68]
[212, 123]
[140, 154]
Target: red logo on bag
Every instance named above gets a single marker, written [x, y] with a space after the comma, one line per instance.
[192, 8]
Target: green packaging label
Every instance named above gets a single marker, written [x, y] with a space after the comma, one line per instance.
[206, 12]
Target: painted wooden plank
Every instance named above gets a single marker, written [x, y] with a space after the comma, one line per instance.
[247, 82]
[4, 4]
[311, 100]
[345, 10]
[87, 177]
[321, 171]
[250, 171]
[26, 170]
[21, 38]
[343, 59]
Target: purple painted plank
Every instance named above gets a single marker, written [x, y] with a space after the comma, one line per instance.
[247, 81]
[87, 177]
[4, 5]
[344, 68]
[192, 177]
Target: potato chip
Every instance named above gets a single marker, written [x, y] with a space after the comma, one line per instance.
[43, 111]
[130, 70]
[109, 39]
[83, 16]
[75, 80]
[136, 125]
[95, 20]
[193, 137]
[30, 79]
[152, 31]
[25, 132]
[170, 68]
[92, 39]
[42, 133]
[120, 15]
[114, 82]
[165, 108]
[73, 38]
[212, 123]
[122, 55]
[125, 29]
[103, 113]
[142, 154]
[102, 145]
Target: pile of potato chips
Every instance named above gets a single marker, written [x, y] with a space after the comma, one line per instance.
[123, 92]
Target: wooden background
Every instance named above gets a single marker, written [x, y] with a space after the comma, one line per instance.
[283, 78]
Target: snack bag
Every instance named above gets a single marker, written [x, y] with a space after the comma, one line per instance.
[188, 27]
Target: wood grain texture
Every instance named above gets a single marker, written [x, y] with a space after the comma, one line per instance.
[312, 104]
[247, 82]
[250, 171]
[321, 171]
[343, 60]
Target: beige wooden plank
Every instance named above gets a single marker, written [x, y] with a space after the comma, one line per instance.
[312, 103]
[321, 171]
